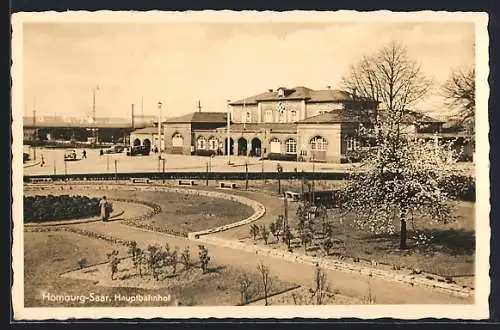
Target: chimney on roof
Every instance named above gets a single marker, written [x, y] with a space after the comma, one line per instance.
[199, 106]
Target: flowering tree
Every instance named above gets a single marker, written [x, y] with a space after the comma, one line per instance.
[397, 183]
[401, 173]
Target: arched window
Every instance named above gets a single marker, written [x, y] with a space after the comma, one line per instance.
[202, 143]
[213, 143]
[275, 146]
[269, 116]
[291, 146]
[177, 140]
[318, 143]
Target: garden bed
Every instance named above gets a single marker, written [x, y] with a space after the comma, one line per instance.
[63, 250]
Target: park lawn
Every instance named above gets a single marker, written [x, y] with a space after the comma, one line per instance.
[50, 254]
[182, 213]
[451, 252]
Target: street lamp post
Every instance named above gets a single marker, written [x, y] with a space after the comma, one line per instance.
[228, 144]
[280, 170]
[94, 130]
[159, 128]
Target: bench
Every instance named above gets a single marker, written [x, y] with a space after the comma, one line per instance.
[229, 185]
[139, 180]
[40, 180]
[292, 195]
[186, 183]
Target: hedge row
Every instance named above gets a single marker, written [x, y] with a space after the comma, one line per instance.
[46, 208]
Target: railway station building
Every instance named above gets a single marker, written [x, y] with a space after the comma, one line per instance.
[283, 124]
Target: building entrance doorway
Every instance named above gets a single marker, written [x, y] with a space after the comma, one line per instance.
[242, 147]
[256, 148]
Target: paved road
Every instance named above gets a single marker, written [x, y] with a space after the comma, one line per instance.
[94, 163]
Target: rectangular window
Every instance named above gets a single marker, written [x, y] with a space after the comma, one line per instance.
[351, 143]
[269, 116]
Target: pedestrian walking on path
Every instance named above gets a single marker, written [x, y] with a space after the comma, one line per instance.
[103, 204]
[84, 154]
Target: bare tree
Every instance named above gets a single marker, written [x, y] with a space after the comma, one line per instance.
[460, 93]
[266, 279]
[246, 285]
[320, 285]
[389, 77]
[254, 231]
[264, 233]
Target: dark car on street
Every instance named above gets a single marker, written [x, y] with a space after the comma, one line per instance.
[138, 151]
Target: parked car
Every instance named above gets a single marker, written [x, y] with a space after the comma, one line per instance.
[70, 154]
[138, 150]
[116, 149]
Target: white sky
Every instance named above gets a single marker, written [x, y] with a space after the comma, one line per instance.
[181, 63]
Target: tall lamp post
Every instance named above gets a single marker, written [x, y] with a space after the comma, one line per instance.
[95, 129]
[279, 168]
[228, 144]
[159, 127]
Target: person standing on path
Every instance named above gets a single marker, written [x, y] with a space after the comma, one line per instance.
[103, 204]
[84, 154]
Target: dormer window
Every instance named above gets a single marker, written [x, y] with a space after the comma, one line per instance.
[281, 92]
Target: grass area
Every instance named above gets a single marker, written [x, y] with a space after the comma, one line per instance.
[187, 213]
[49, 254]
[450, 252]
[183, 212]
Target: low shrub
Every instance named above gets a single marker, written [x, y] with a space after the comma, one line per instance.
[50, 207]
[204, 152]
[461, 187]
[283, 157]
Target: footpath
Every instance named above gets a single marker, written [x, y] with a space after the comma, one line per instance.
[300, 273]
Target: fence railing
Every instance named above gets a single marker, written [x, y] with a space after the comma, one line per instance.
[192, 175]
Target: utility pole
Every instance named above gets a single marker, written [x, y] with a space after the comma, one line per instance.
[95, 130]
[163, 167]
[199, 106]
[107, 163]
[133, 123]
[206, 183]
[34, 132]
[54, 166]
[246, 174]
[116, 170]
[285, 201]
[159, 129]
[65, 168]
[262, 170]
[313, 184]
[228, 144]
[142, 108]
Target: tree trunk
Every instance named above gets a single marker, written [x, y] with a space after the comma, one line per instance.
[402, 242]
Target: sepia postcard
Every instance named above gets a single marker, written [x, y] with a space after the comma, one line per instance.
[250, 165]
